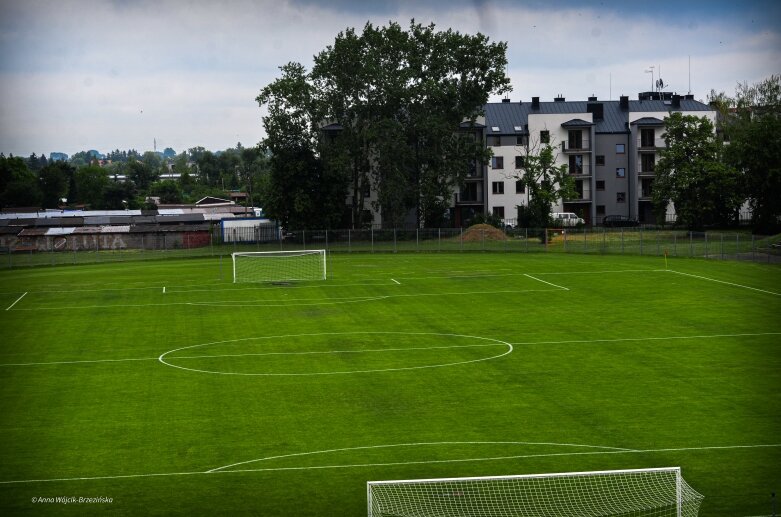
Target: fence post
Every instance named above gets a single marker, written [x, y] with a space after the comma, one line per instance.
[585, 240]
[737, 246]
[564, 236]
[372, 238]
[691, 244]
[394, 241]
[326, 239]
[526, 239]
[349, 241]
[622, 241]
[303, 238]
[707, 254]
[641, 241]
[722, 246]
[753, 248]
[417, 239]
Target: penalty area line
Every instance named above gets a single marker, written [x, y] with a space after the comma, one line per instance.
[397, 282]
[724, 282]
[544, 282]
[17, 301]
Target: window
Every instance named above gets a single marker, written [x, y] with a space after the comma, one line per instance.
[367, 190]
[496, 141]
[497, 187]
[520, 188]
[600, 184]
[620, 197]
[522, 140]
[497, 162]
[647, 162]
[499, 212]
[600, 159]
[647, 137]
[575, 139]
[576, 164]
[620, 149]
[520, 161]
[600, 209]
[620, 172]
[545, 137]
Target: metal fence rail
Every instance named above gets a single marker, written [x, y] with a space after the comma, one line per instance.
[628, 241]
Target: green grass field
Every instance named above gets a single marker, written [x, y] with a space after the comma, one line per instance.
[170, 390]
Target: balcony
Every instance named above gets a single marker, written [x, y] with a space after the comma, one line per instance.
[566, 148]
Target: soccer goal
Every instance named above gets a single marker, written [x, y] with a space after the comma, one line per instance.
[659, 492]
[279, 266]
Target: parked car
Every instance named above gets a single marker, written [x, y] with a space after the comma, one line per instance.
[619, 221]
[567, 219]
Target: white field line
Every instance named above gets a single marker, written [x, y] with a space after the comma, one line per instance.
[723, 282]
[544, 282]
[399, 283]
[285, 303]
[615, 340]
[163, 289]
[491, 275]
[360, 465]
[17, 301]
[335, 351]
[415, 444]
[514, 344]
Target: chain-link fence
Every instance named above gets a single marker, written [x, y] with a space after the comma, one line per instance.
[628, 241]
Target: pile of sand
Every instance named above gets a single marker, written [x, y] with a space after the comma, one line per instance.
[481, 232]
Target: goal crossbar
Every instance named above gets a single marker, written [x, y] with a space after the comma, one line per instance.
[641, 492]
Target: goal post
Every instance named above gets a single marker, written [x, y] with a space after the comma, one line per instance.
[279, 266]
[656, 492]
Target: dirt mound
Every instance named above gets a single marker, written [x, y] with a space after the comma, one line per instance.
[481, 232]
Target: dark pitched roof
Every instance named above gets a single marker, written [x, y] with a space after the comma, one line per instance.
[648, 121]
[577, 122]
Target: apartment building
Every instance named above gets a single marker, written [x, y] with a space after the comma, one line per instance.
[609, 147]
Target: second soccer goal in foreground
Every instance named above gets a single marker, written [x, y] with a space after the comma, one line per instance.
[279, 266]
[658, 492]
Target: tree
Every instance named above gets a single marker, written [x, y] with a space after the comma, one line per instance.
[141, 174]
[545, 182]
[755, 149]
[20, 184]
[691, 173]
[54, 181]
[383, 109]
[301, 192]
[90, 186]
[168, 191]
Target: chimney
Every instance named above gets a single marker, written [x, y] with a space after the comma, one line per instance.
[676, 101]
[624, 102]
[689, 97]
[593, 98]
[558, 99]
[535, 103]
[598, 109]
[505, 100]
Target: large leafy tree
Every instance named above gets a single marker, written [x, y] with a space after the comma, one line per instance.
[393, 101]
[54, 180]
[545, 183]
[692, 174]
[20, 187]
[755, 149]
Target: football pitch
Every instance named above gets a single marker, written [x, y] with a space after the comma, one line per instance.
[161, 387]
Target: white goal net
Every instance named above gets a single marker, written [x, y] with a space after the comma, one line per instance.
[279, 266]
[644, 492]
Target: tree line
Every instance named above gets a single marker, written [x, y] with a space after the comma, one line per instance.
[127, 179]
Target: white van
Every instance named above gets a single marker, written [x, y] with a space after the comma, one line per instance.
[566, 219]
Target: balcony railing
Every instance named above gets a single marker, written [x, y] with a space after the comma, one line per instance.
[566, 148]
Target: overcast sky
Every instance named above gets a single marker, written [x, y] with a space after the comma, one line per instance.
[118, 74]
